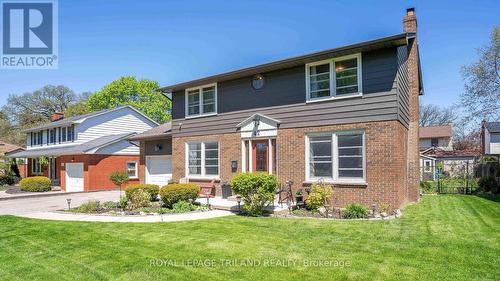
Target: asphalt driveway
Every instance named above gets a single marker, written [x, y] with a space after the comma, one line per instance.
[23, 206]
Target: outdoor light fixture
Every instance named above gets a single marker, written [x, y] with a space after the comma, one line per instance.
[234, 165]
[158, 147]
[374, 208]
[69, 203]
[238, 199]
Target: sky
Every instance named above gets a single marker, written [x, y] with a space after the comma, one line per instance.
[176, 41]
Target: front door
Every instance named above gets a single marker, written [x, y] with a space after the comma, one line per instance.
[53, 169]
[260, 151]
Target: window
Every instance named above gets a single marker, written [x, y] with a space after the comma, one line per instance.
[201, 100]
[434, 142]
[36, 167]
[336, 156]
[427, 165]
[52, 134]
[63, 134]
[132, 169]
[37, 138]
[202, 159]
[334, 78]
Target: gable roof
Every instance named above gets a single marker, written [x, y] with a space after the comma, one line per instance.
[435, 131]
[80, 118]
[437, 152]
[85, 148]
[493, 127]
[257, 116]
[8, 147]
[158, 132]
[394, 40]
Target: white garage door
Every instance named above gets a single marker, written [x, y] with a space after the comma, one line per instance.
[74, 177]
[158, 170]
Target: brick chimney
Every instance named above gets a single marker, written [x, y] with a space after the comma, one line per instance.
[57, 116]
[410, 26]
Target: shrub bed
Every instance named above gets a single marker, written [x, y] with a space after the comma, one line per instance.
[355, 211]
[173, 193]
[35, 184]
[152, 189]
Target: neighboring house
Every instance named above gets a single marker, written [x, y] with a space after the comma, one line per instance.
[6, 148]
[452, 163]
[347, 116]
[155, 165]
[436, 136]
[490, 138]
[84, 150]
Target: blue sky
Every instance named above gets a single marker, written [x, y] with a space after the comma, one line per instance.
[175, 41]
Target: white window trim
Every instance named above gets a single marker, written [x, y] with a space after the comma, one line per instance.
[203, 175]
[335, 179]
[136, 176]
[333, 94]
[186, 102]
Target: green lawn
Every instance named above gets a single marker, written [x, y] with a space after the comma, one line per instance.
[451, 237]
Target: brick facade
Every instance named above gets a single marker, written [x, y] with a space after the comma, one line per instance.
[96, 169]
[386, 158]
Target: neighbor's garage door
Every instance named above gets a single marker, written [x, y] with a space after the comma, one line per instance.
[74, 177]
[158, 170]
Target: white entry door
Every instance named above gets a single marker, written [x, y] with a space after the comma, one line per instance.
[74, 177]
[158, 170]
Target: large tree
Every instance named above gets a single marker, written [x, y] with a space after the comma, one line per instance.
[481, 96]
[432, 115]
[142, 94]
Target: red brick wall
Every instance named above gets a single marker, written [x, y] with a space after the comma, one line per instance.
[386, 144]
[97, 169]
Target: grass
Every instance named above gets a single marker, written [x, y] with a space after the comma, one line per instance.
[449, 237]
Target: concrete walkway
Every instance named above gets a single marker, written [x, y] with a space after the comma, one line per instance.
[47, 207]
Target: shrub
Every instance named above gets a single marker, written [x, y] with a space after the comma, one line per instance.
[109, 205]
[91, 206]
[489, 183]
[256, 189]
[355, 211]
[138, 199]
[152, 189]
[320, 193]
[6, 180]
[183, 207]
[427, 187]
[35, 184]
[173, 193]
[123, 202]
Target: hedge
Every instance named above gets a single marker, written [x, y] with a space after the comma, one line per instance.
[6, 180]
[35, 184]
[151, 189]
[173, 193]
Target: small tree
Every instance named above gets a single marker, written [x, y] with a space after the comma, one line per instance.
[257, 190]
[119, 178]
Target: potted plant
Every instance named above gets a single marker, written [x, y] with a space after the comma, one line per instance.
[299, 197]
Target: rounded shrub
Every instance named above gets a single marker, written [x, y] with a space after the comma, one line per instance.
[35, 184]
[6, 180]
[256, 189]
[319, 196]
[152, 189]
[489, 184]
[173, 193]
[355, 211]
[139, 199]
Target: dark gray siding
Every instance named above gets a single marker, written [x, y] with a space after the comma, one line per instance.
[403, 86]
[283, 97]
[166, 145]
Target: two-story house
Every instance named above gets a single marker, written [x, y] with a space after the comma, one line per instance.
[347, 116]
[436, 136]
[84, 150]
[490, 138]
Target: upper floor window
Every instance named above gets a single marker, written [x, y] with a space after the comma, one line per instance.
[335, 77]
[67, 134]
[52, 136]
[37, 138]
[434, 141]
[201, 100]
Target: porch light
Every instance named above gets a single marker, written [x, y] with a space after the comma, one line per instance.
[68, 200]
[234, 165]
[238, 199]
